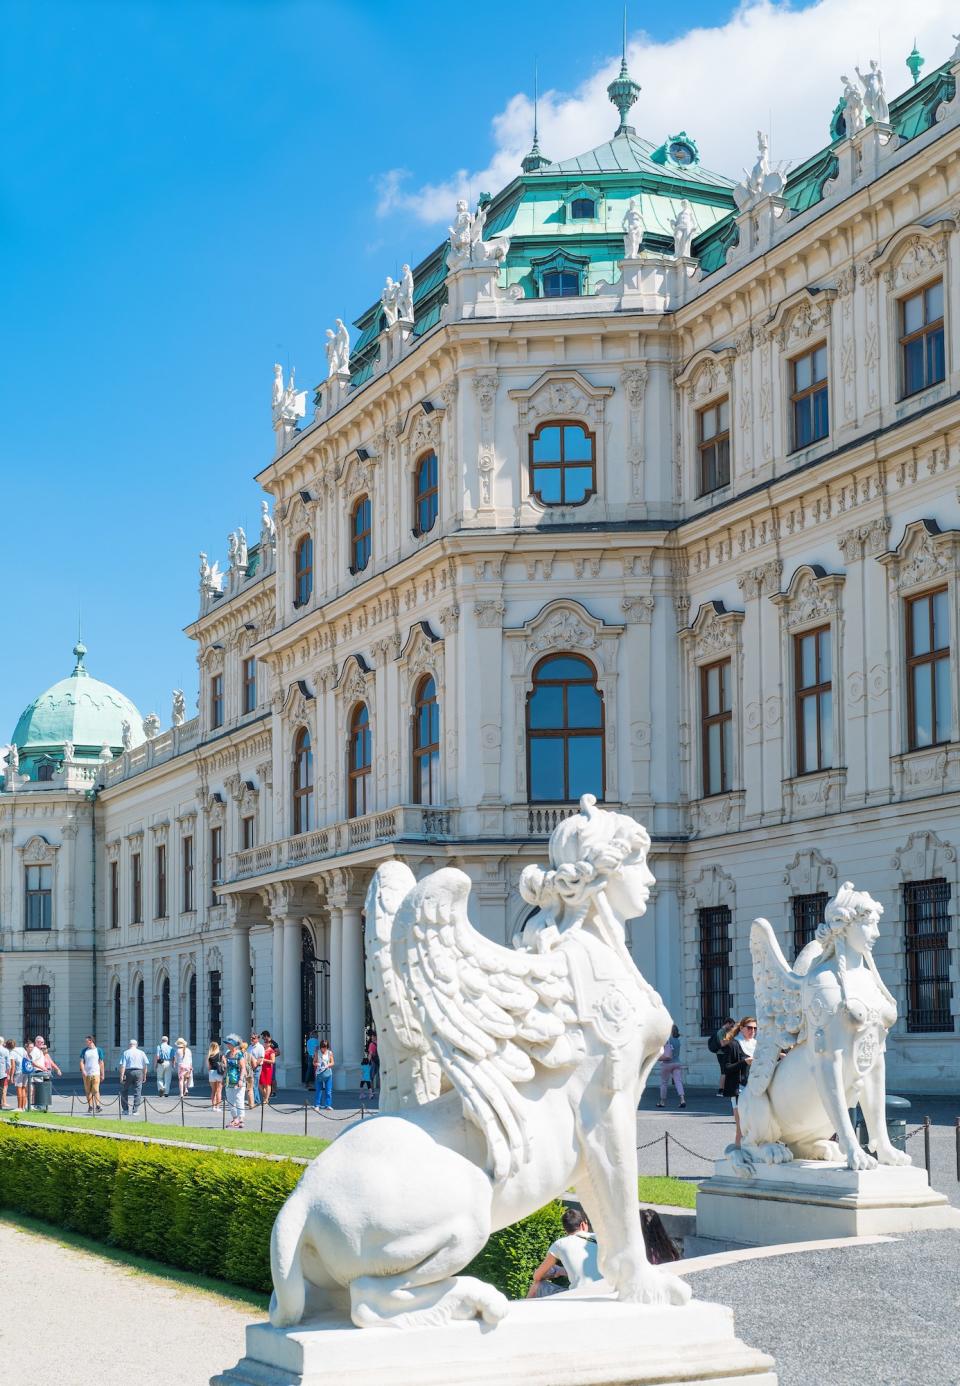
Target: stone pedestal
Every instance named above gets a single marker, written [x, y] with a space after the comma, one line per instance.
[562, 1341]
[811, 1200]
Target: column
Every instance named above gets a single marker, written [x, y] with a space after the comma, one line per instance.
[239, 1015]
[276, 1016]
[291, 1043]
[351, 997]
[336, 970]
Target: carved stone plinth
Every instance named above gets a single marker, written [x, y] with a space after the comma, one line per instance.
[810, 1200]
[562, 1341]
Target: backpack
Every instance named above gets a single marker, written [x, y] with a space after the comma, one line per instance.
[713, 1044]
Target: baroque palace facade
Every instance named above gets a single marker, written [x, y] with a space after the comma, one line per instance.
[643, 484]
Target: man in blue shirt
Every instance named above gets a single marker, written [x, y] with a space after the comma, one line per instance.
[164, 1063]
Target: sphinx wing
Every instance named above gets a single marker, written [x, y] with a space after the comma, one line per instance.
[779, 1004]
[488, 1012]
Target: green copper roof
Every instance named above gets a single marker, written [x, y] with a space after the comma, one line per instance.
[628, 153]
[80, 709]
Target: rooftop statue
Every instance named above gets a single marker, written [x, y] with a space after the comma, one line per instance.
[853, 115]
[684, 228]
[762, 180]
[277, 389]
[508, 1074]
[632, 231]
[241, 555]
[388, 297]
[106, 752]
[126, 735]
[467, 246]
[831, 1012]
[179, 708]
[956, 51]
[405, 295]
[268, 530]
[289, 404]
[874, 97]
[151, 726]
[13, 758]
[232, 549]
[338, 350]
[69, 752]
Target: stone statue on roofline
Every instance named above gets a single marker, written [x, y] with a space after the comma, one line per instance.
[268, 530]
[388, 299]
[853, 115]
[179, 711]
[126, 735]
[106, 753]
[762, 180]
[874, 96]
[337, 350]
[151, 726]
[405, 295]
[684, 227]
[632, 231]
[289, 403]
[241, 556]
[277, 389]
[69, 752]
[13, 758]
[467, 246]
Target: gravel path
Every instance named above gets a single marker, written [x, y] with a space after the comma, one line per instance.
[102, 1324]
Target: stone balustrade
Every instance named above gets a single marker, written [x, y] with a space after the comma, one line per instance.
[405, 822]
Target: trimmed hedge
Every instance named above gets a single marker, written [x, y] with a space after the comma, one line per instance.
[512, 1255]
[201, 1210]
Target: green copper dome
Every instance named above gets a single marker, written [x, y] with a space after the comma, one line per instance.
[79, 709]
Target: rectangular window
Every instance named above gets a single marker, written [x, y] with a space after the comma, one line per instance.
[160, 862]
[929, 708]
[922, 360]
[809, 397]
[216, 1008]
[136, 889]
[814, 700]
[714, 967]
[927, 944]
[36, 1011]
[216, 700]
[250, 684]
[114, 895]
[216, 861]
[807, 913]
[713, 447]
[187, 854]
[716, 728]
[246, 833]
[39, 902]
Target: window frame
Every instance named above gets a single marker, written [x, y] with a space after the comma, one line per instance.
[561, 464]
[136, 888]
[926, 329]
[713, 442]
[42, 894]
[248, 832]
[566, 732]
[216, 860]
[216, 700]
[431, 492]
[361, 541]
[114, 888]
[588, 201]
[931, 657]
[798, 397]
[302, 782]
[801, 908]
[117, 1015]
[303, 571]
[711, 719]
[426, 751]
[160, 880]
[359, 777]
[36, 1009]
[714, 964]
[248, 684]
[215, 1003]
[188, 874]
[938, 891]
[802, 694]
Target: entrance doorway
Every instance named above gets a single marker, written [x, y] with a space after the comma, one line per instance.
[314, 997]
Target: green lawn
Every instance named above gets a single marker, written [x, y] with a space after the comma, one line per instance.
[659, 1188]
[263, 1142]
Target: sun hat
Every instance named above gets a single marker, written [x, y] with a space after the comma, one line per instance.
[182, 1041]
[234, 1039]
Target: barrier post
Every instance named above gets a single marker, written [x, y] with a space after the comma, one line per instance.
[926, 1145]
[144, 1109]
[666, 1153]
[183, 1121]
[71, 1103]
[304, 1118]
[223, 1108]
[262, 1106]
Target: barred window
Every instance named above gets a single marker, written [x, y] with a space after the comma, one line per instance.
[140, 1036]
[715, 971]
[927, 944]
[165, 1006]
[216, 993]
[192, 1010]
[116, 1014]
[807, 916]
[36, 1011]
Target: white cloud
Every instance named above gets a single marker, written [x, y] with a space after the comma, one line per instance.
[767, 67]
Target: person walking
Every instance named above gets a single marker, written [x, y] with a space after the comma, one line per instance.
[671, 1067]
[183, 1062]
[323, 1078]
[133, 1072]
[717, 1045]
[4, 1073]
[235, 1072]
[373, 1057]
[91, 1071]
[741, 1043]
[215, 1075]
[575, 1252]
[270, 1053]
[20, 1067]
[255, 1052]
[163, 1059]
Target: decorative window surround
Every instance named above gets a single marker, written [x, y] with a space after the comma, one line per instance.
[595, 195]
[813, 598]
[801, 321]
[714, 634]
[809, 873]
[923, 857]
[567, 395]
[912, 257]
[706, 378]
[562, 262]
[710, 888]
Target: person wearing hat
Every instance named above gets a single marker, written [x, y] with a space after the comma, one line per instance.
[235, 1073]
[183, 1060]
[133, 1073]
[4, 1072]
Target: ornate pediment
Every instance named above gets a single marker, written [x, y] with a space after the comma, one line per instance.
[422, 651]
[924, 857]
[565, 626]
[562, 394]
[216, 809]
[801, 317]
[812, 596]
[420, 430]
[925, 554]
[914, 253]
[355, 679]
[37, 851]
[298, 702]
[810, 874]
[708, 373]
[714, 631]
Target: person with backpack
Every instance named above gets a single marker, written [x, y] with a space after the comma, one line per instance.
[235, 1074]
[717, 1044]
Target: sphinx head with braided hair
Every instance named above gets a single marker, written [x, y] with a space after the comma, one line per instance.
[591, 852]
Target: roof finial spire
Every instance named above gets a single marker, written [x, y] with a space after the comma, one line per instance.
[536, 158]
[623, 91]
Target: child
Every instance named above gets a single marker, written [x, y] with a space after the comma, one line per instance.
[365, 1077]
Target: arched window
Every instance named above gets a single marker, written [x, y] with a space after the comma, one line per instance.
[116, 1015]
[358, 763]
[426, 742]
[302, 782]
[192, 1010]
[303, 571]
[564, 731]
[360, 535]
[165, 1006]
[583, 209]
[141, 1035]
[426, 494]
[563, 464]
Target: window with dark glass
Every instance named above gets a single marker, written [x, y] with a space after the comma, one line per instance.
[303, 571]
[713, 446]
[929, 707]
[216, 700]
[922, 360]
[165, 1006]
[583, 209]
[814, 700]
[141, 1030]
[192, 1010]
[116, 1015]
[136, 888]
[560, 283]
[160, 866]
[359, 761]
[216, 1004]
[360, 535]
[564, 731]
[246, 833]
[216, 861]
[927, 942]
[36, 1011]
[249, 684]
[716, 728]
[426, 493]
[114, 895]
[187, 851]
[809, 397]
[807, 912]
[302, 782]
[426, 742]
[45, 770]
[39, 900]
[715, 973]
[562, 464]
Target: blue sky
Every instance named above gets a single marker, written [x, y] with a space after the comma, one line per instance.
[190, 192]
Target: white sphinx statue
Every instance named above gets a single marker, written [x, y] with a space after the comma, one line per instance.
[509, 1075]
[831, 1013]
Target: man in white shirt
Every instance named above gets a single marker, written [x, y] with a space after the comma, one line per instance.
[133, 1072]
[17, 1058]
[91, 1071]
[576, 1253]
[164, 1062]
[255, 1053]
